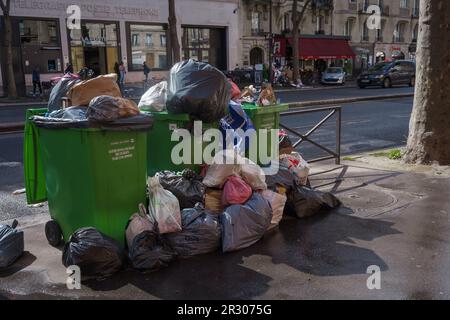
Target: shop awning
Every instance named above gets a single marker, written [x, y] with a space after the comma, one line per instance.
[324, 48]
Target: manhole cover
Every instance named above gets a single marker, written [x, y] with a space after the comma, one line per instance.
[374, 201]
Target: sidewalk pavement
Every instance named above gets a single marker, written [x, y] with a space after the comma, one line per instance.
[394, 219]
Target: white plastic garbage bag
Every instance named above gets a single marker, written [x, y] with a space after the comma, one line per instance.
[164, 206]
[277, 202]
[226, 163]
[253, 175]
[139, 222]
[297, 165]
[155, 98]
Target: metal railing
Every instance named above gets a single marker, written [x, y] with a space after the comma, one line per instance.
[336, 110]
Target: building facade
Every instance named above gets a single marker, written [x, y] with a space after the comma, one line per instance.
[346, 20]
[316, 30]
[46, 36]
[396, 36]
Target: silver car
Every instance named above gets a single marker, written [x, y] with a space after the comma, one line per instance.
[333, 75]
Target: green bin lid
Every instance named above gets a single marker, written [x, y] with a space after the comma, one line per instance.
[253, 110]
[164, 115]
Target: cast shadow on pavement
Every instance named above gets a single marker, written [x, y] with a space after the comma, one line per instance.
[326, 245]
[24, 261]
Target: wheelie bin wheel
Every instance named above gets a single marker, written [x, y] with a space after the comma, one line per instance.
[53, 233]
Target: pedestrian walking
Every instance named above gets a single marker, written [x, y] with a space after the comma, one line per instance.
[146, 73]
[36, 78]
[122, 73]
[117, 71]
[69, 68]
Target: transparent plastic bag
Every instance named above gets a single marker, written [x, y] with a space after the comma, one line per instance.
[155, 98]
[164, 207]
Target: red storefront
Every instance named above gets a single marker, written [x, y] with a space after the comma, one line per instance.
[315, 52]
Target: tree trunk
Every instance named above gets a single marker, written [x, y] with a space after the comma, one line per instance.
[295, 34]
[175, 45]
[429, 136]
[10, 79]
[297, 18]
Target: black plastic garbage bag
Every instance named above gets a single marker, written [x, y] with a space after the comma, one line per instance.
[150, 252]
[304, 202]
[141, 122]
[11, 244]
[187, 186]
[60, 91]
[108, 109]
[201, 233]
[284, 178]
[244, 225]
[72, 113]
[96, 254]
[198, 89]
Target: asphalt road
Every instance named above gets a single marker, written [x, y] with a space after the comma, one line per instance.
[328, 93]
[366, 126]
[10, 114]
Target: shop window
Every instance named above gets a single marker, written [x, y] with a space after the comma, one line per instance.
[41, 46]
[153, 51]
[206, 45]
[95, 46]
[135, 39]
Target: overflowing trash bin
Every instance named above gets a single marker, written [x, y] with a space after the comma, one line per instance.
[95, 173]
[99, 163]
[160, 145]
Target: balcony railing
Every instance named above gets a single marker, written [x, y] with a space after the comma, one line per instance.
[399, 39]
[404, 12]
[353, 6]
[384, 10]
[258, 33]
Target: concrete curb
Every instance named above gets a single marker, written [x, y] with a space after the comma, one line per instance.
[293, 89]
[11, 127]
[294, 105]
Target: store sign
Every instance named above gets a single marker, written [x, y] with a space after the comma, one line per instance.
[279, 47]
[93, 9]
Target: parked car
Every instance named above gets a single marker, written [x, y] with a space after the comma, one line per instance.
[387, 74]
[333, 75]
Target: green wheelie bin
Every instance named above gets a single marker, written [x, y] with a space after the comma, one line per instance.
[160, 145]
[265, 117]
[94, 177]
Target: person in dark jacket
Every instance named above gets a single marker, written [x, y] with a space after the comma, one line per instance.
[69, 68]
[146, 72]
[117, 71]
[36, 78]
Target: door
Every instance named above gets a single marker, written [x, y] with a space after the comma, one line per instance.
[256, 56]
[405, 72]
[396, 73]
[95, 59]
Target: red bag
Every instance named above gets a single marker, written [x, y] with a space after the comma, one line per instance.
[235, 191]
[235, 91]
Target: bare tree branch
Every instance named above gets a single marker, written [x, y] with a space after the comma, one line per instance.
[3, 6]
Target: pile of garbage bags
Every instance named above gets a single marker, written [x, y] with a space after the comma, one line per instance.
[11, 244]
[230, 206]
[95, 103]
